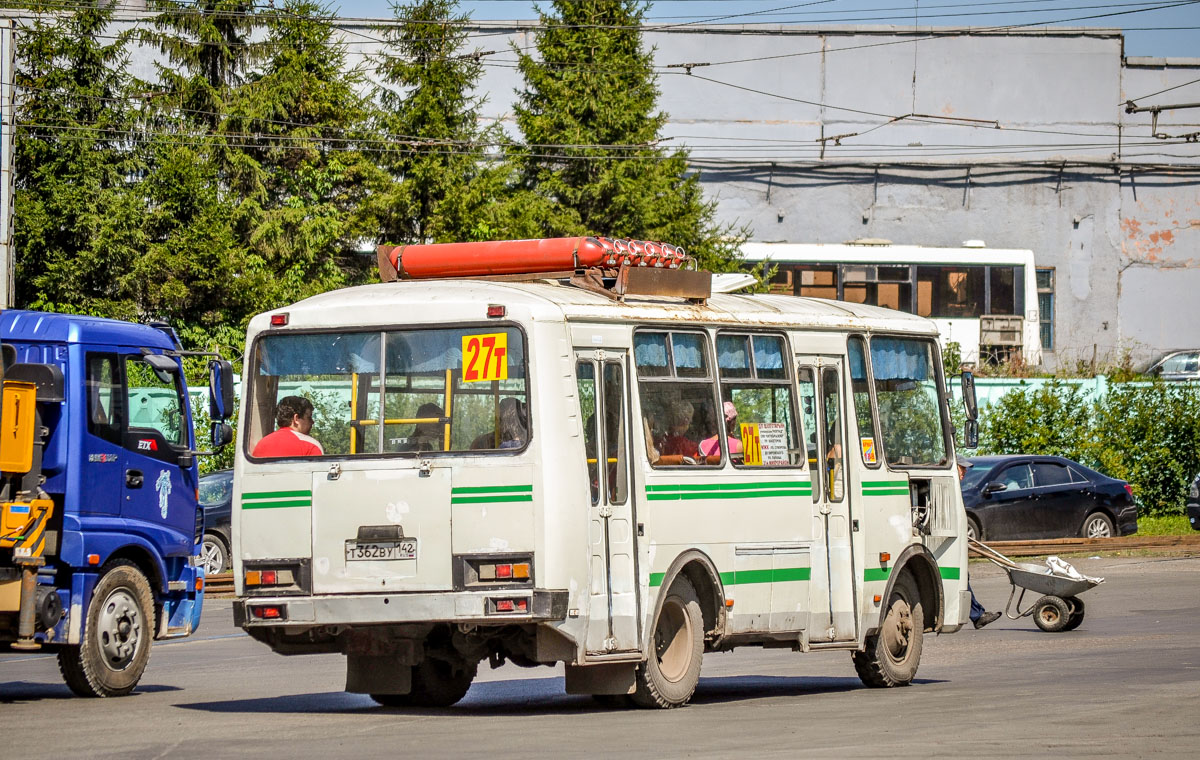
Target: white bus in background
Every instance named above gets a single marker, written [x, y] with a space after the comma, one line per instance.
[971, 293]
[618, 474]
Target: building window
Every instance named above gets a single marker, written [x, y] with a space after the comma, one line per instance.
[1045, 290]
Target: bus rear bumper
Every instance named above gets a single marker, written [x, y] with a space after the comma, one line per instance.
[482, 608]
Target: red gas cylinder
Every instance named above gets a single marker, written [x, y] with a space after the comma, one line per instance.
[529, 256]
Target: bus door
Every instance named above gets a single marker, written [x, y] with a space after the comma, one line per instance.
[822, 405]
[604, 409]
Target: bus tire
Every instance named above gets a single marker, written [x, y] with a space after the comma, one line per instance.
[115, 649]
[893, 653]
[669, 676]
[437, 683]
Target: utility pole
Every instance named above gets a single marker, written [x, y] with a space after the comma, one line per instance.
[7, 134]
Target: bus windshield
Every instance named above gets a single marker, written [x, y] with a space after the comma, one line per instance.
[910, 404]
[397, 391]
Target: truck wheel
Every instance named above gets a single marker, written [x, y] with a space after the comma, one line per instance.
[213, 555]
[892, 655]
[118, 630]
[669, 676]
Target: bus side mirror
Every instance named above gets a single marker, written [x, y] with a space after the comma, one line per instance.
[221, 434]
[971, 435]
[968, 393]
[220, 390]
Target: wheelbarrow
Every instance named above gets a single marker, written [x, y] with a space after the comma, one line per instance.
[1060, 584]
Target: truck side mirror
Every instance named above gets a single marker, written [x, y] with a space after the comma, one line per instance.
[968, 393]
[220, 390]
[221, 434]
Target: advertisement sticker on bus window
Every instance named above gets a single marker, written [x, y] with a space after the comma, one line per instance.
[485, 357]
[868, 449]
[764, 444]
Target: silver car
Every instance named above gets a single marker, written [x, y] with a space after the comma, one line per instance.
[1180, 365]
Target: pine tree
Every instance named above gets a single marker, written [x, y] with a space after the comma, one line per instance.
[591, 131]
[301, 120]
[442, 184]
[77, 157]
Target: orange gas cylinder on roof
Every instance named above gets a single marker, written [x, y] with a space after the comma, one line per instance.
[507, 257]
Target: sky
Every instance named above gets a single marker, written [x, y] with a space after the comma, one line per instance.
[1159, 28]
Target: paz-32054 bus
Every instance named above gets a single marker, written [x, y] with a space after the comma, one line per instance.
[586, 457]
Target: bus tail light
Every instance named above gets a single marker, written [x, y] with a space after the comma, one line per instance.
[485, 570]
[496, 311]
[269, 611]
[277, 576]
[507, 606]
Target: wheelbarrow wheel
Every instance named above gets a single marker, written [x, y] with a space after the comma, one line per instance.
[1076, 616]
[1051, 614]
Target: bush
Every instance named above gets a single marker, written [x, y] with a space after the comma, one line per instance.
[1147, 434]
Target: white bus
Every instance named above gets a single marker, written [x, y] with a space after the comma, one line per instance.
[975, 295]
[600, 474]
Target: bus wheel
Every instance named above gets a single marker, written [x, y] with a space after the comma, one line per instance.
[438, 683]
[115, 649]
[892, 655]
[669, 675]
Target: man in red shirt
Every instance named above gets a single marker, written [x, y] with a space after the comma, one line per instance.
[294, 416]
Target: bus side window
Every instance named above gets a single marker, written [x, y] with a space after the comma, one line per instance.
[615, 471]
[832, 412]
[808, 414]
[585, 374]
[756, 393]
[860, 386]
[677, 389]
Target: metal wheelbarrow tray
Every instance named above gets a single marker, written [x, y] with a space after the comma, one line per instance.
[1059, 607]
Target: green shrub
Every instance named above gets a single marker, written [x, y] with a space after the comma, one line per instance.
[1147, 434]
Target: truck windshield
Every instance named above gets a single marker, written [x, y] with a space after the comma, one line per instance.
[910, 403]
[399, 391]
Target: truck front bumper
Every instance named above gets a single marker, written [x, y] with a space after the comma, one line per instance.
[481, 608]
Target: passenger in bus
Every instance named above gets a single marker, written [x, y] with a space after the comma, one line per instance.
[294, 419]
[709, 446]
[514, 428]
[427, 436]
[677, 441]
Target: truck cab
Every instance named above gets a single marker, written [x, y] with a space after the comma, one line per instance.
[107, 513]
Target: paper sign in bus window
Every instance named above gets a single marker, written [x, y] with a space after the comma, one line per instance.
[868, 449]
[485, 357]
[764, 444]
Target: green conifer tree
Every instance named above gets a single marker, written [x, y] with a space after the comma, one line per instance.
[78, 153]
[302, 119]
[591, 131]
[442, 183]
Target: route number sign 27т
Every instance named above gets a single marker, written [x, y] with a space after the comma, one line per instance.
[484, 357]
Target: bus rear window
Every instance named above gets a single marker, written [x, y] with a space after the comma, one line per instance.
[402, 391]
[910, 404]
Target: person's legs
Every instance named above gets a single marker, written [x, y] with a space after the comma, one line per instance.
[977, 609]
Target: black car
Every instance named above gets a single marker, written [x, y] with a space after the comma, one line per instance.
[1193, 504]
[1027, 497]
[216, 499]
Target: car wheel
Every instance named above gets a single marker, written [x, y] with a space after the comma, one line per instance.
[1097, 525]
[974, 532]
[214, 558]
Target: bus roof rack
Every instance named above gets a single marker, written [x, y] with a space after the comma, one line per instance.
[611, 267]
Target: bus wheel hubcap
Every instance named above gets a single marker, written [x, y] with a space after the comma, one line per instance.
[673, 641]
[897, 632]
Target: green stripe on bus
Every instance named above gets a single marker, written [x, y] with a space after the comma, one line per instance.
[274, 495]
[951, 573]
[728, 495]
[884, 483]
[773, 575]
[877, 574]
[727, 486]
[886, 493]
[495, 499]
[276, 504]
[491, 489]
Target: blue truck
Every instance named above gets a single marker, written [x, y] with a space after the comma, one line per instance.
[99, 515]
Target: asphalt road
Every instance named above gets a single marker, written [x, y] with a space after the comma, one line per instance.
[1125, 684]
